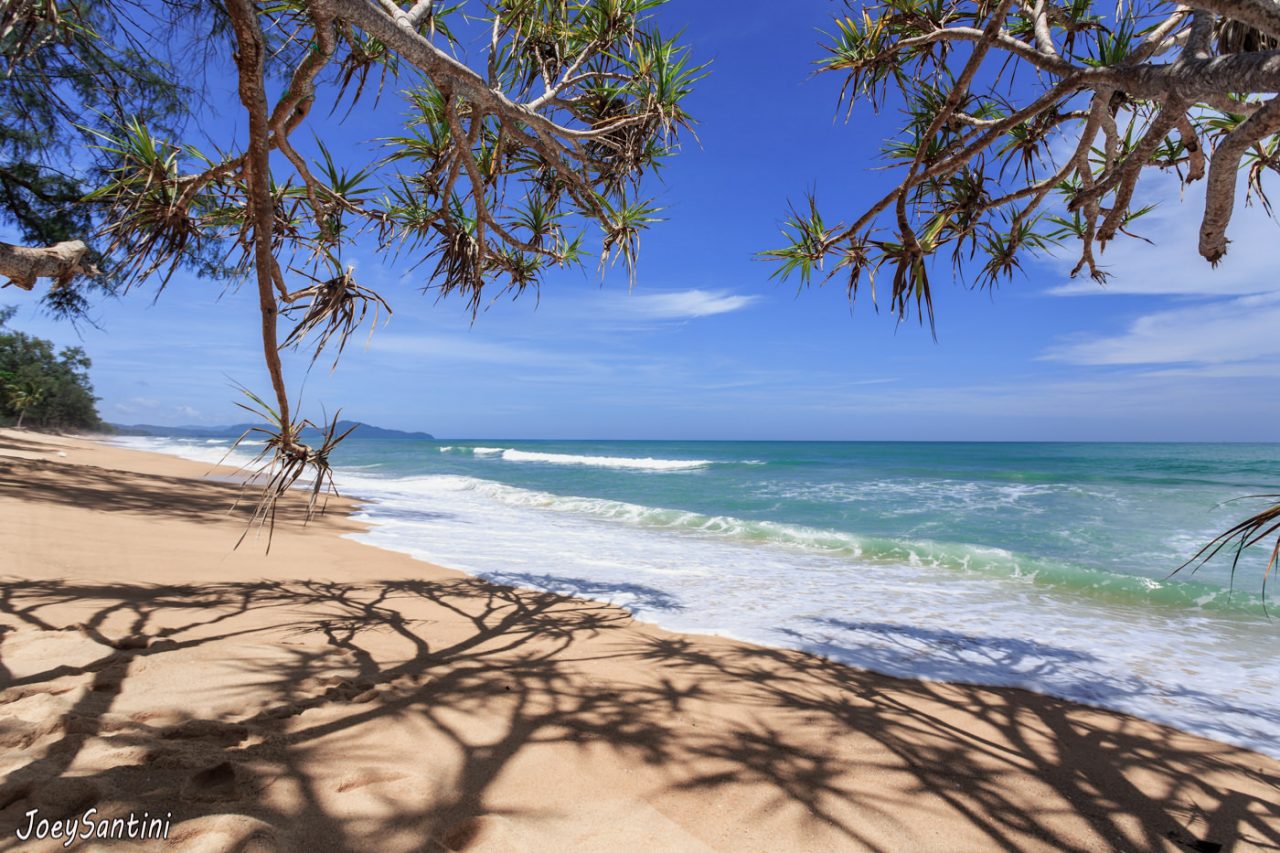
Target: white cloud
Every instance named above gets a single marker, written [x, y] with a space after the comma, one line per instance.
[1183, 404]
[136, 405]
[1233, 325]
[685, 304]
[1235, 330]
[456, 348]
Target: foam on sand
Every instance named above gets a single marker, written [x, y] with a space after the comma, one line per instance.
[933, 610]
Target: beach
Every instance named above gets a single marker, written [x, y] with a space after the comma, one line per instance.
[331, 695]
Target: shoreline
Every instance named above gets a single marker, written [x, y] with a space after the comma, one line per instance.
[961, 634]
[556, 721]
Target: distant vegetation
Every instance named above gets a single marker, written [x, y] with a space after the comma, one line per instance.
[42, 388]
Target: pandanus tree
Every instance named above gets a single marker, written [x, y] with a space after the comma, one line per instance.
[516, 157]
[1028, 125]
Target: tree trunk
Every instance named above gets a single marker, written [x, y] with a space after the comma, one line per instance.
[249, 57]
[22, 413]
[62, 261]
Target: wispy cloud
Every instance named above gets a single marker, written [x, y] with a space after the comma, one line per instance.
[461, 348]
[1234, 330]
[136, 405]
[1197, 317]
[684, 304]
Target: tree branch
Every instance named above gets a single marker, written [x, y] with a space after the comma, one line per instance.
[22, 265]
[1263, 15]
[1220, 194]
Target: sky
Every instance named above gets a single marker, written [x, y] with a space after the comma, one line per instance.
[707, 346]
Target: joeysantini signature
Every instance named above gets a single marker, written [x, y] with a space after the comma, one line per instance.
[86, 826]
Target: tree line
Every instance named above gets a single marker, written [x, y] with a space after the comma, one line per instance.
[41, 387]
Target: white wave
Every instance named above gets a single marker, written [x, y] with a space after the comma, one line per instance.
[472, 451]
[906, 617]
[646, 464]
[920, 495]
[510, 454]
[189, 448]
[825, 592]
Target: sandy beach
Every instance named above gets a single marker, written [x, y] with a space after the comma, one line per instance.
[333, 696]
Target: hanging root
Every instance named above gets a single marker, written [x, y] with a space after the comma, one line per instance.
[336, 308]
[284, 462]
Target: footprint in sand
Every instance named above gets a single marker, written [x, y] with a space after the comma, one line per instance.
[215, 784]
[29, 653]
[483, 834]
[20, 734]
[227, 734]
[64, 796]
[364, 778]
[226, 833]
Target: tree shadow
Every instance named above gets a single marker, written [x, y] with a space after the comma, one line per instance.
[207, 501]
[993, 660]
[9, 440]
[392, 715]
[638, 598]
[972, 747]
[477, 678]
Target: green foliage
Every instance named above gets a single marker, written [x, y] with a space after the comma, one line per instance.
[1025, 129]
[510, 163]
[284, 460]
[1017, 135]
[71, 69]
[42, 388]
[471, 184]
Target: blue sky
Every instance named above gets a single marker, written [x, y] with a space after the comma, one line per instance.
[706, 346]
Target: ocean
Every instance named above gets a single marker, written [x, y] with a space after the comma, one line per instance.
[1042, 566]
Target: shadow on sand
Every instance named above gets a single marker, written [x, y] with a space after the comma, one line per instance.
[519, 658]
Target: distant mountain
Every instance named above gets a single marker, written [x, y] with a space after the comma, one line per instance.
[236, 430]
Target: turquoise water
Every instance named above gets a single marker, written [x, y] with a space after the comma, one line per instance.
[1046, 566]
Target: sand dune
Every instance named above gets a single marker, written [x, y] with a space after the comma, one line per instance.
[331, 696]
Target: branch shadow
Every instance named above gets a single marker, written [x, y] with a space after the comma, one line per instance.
[321, 667]
[638, 598]
[969, 745]
[260, 712]
[114, 491]
[957, 656]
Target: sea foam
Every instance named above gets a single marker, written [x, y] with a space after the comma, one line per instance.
[510, 454]
[917, 609]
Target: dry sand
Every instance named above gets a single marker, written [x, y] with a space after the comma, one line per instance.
[332, 696]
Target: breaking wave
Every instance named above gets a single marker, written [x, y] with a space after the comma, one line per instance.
[510, 454]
